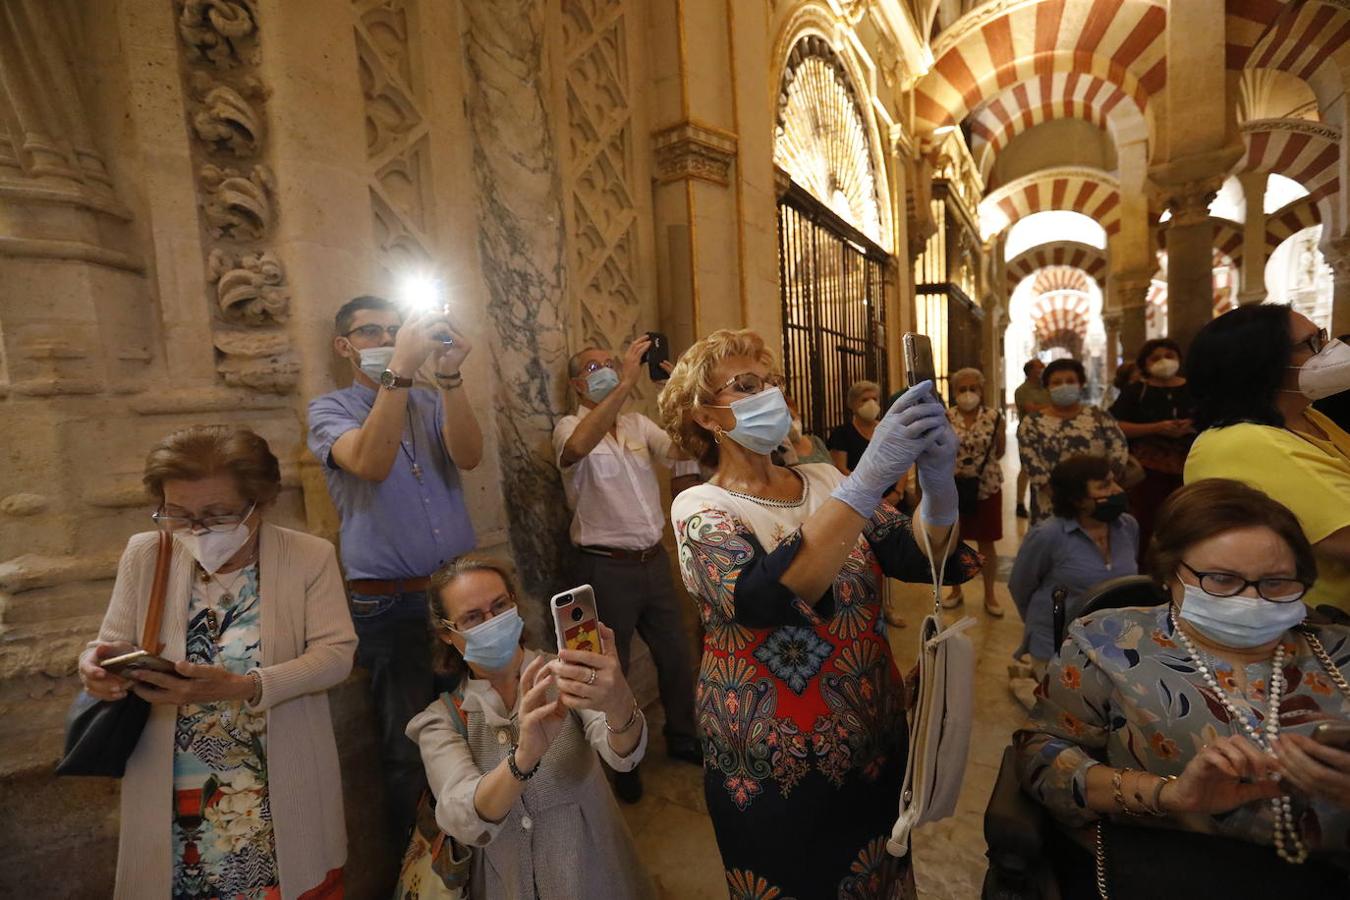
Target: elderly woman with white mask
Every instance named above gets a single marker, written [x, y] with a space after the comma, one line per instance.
[979, 476]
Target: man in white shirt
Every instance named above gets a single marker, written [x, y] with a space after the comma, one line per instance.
[617, 522]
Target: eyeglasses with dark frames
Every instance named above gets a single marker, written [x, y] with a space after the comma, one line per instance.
[373, 332]
[1314, 342]
[1228, 584]
[595, 366]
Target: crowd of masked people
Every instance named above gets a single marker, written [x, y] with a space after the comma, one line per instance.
[502, 759]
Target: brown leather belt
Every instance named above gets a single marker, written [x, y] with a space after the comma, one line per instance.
[619, 553]
[384, 588]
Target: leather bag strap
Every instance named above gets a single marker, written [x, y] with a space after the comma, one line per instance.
[154, 616]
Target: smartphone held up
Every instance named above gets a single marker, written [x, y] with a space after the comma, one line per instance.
[424, 294]
[574, 620]
[657, 353]
[918, 351]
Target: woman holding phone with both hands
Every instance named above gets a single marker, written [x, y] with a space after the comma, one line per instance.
[515, 774]
[234, 787]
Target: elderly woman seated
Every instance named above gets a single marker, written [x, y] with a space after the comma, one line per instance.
[1198, 716]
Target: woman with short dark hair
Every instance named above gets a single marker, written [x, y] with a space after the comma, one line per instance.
[1066, 427]
[1254, 373]
[1198, 714]
[511, 749]
[234, 788]
[1089, 539]
[1155, 415]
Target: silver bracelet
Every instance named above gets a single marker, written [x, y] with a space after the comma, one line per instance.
[632, 720]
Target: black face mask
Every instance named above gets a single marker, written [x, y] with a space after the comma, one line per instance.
[1108, 509]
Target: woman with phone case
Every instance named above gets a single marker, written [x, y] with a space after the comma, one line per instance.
[1198, 714]
[234, 788]
[802, 708]
[512, 751]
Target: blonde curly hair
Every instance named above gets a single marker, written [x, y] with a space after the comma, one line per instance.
[691, 386]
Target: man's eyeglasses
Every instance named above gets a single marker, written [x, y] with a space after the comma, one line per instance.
[595, 366]
[472, 619]
[1314, 342]
[749, 383]
[214, 524]
[373, 332]
[1226, 584]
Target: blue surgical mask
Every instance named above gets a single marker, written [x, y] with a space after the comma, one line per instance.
[1065, 394]
[1239, 622]
[762, 421]
[493, 644]
[600, 383]
[374, 360]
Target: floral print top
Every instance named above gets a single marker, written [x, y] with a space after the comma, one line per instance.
[222, 824]
[1044, 439]
[977, 440]
[1123, 691]
[788, 686]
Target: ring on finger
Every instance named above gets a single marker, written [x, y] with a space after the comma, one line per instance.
[591, 679]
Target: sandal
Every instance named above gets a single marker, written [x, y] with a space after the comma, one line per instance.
[954, 602]
[994, 612]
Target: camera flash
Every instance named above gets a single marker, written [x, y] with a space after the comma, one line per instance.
[421, 292]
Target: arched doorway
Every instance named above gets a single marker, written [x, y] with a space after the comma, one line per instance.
[833, 270]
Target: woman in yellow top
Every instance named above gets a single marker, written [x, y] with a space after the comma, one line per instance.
[1254, 373]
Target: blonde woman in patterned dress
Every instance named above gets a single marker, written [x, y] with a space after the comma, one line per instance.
[234, 789]
[800, 704]
[983, 443]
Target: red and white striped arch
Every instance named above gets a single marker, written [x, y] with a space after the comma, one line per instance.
[1086, 257]
[1060, 95]
[998, 45]
[1289, 221]
[1092, 192]
[1305, 151]
[1306, 38]
[1060, 319]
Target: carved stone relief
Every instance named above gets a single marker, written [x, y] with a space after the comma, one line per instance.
[236, 193]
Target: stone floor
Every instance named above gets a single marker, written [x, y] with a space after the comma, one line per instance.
[671, 827]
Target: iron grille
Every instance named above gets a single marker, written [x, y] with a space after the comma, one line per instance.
[834, 286]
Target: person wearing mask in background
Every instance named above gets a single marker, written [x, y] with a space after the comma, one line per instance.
[1089, 539]
[1065, 428]
[392, 454]
[1030, 396]
[983, 443]
[1155, 415]
[1254, 373]
[511, 749]
[848, 441]
[606, 457]
[801, 448]
[1126, 375]
[1337, 406]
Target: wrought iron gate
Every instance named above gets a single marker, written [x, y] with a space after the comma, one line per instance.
[834, 285]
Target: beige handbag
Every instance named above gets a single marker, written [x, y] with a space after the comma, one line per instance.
[940, 720]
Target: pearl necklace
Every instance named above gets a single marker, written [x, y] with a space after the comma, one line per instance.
[1286, 833]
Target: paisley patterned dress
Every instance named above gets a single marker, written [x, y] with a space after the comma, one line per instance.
[800, 706]
[224, 846]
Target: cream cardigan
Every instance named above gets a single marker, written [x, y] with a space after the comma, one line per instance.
[307, 643]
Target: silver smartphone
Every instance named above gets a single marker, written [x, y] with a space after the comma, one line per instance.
[919, 366]
[138, 659]
[575, 621]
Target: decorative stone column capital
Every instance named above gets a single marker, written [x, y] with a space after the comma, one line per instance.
[1129, 290]
[1336, 252]
[1189, 204]
[692, 149]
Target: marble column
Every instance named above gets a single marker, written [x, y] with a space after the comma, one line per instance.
[1112, 322]
[1129, 296]
[1190, 262]
[521, 245]
[1252, 278]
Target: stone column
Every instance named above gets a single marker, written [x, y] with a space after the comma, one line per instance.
[1129, 299]
[1252, 277]
[521, 244]
[1112, 321]
[1337, 255]
[1190, 261]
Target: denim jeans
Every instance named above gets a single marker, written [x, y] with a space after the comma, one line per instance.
[394, 645]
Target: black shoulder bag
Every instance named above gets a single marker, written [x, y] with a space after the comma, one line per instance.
[102, 734]
[968, 486]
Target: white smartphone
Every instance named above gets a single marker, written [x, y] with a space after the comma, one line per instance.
[575, 621]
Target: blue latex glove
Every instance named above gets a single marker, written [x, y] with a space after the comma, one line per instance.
[937, 477]
[902, 435]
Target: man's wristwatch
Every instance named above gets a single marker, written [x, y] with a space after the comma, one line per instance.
[390, 380]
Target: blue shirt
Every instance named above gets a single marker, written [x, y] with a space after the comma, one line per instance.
[1059, 553]
[402, 527]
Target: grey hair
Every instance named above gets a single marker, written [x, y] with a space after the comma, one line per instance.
[574, 363]
[858, 388]
[967, 372]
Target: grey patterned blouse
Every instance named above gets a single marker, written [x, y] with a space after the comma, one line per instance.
[1044, 439]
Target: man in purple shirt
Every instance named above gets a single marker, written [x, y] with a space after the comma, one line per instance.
[392, 454]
